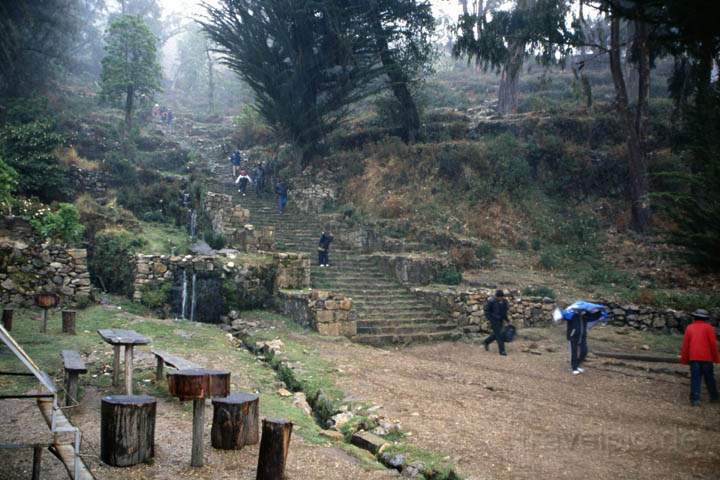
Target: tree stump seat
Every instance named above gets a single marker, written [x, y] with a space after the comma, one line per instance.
[166, 358]
[235, 421]
[74, 366]
[127, 429]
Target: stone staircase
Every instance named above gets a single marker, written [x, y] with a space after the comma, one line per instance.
[386, 311]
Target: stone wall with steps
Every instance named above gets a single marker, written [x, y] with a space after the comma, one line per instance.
[325, 312]
[232, 221]
[411, 268]
[28, 266]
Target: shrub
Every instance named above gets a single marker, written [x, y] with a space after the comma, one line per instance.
[539, 291]
[98, 217]
[522, 245]
[463, 257]
[111, 260]
[62, 225]
[484, 252]
[536, 244]
[8, 184]
[550, 260]
[449, 276]
[251, 128]
[156, 295]
[214, 239]
[511, 171]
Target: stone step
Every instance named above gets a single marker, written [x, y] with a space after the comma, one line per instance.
[379, 329]
[379, 340]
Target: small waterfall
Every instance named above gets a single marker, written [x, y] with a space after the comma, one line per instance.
[192, 301]
[193, 224]
[184, 295]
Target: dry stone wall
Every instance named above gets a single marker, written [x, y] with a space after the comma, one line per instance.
[28, 267]
[325, 312]
[411, 268]
[232, 221]
[465, 306]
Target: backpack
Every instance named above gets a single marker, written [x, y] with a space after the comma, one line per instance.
[509, 333]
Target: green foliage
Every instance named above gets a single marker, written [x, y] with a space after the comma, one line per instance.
[536, 244]
[155, 295]
[485, 252]
[522, 245]
[511, 171]
[151, 196]
[686, 301]
[130, 67]
[449, 276]
[111, 260]
[539, 291]
[215, 240]
[29, 148]
[550, 260]
[61, 225]
[251, 128]
[8, 184]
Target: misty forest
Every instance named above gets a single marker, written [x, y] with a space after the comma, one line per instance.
[331, 239]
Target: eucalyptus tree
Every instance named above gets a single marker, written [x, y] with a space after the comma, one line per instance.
[130, 67]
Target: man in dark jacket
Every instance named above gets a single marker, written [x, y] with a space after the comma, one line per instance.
[282, 192]
[699, 349]
[496, 309]
[259, 174]
[324, 249]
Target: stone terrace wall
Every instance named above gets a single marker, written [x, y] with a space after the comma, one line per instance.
[465, 306]
[232, 221]
[410, 268]
[325, 312]
[293, 270]
[28, 267]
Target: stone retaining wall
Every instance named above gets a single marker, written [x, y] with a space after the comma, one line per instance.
[232, 221]
[465, 306]
[293, 270]
[411, 268]
[93, 182]
[28, 267]
[325, 312]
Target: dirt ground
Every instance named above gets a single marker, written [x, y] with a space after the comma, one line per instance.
[20, 421]
[526, 416]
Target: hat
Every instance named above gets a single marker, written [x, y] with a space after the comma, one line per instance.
[499, 293]
[701, 314]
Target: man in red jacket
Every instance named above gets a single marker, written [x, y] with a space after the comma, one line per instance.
[699, 349]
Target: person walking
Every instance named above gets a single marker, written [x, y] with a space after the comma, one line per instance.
[242, 181]
[496, 309]
[581, 317]
[235, 159]
[281, 190]
[324, 249]
[259, 174]
[699, 350]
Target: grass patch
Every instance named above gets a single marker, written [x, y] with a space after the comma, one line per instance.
[686, 301]
[164, 239]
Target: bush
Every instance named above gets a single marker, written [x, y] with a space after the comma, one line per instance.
[550, 260]
[215, 240]
[485, 252]
[511, 171]
[539, 291]
[463, 257]
[251, 128]
[449, 276]
[111, 260]
[98, 217]
[536, 244]
[8, 184]
[156, 295]
[62, 225]
[522, 245]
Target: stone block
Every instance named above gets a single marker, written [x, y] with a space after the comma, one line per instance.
[324, 316]
[332, 329]
[368, 441]
[348, 329]
[345, 304]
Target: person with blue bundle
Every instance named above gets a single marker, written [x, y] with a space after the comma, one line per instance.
[581, 317]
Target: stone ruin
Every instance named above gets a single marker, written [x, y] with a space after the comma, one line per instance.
[325, 312]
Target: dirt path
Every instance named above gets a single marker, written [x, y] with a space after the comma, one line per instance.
[525, 416]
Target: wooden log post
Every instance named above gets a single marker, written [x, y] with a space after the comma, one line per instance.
[7, 318]
[235, 421]
[274, 447]
[68, 321]
[127, 429]
[71, 388]
[196, 458]
[37, 462]
[159, 367]
[116, 366]
[128, 369]
[46, 312]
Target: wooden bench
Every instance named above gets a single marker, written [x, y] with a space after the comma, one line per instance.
[174, 361]
[74, 366]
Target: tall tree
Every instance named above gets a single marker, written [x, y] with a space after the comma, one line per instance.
[130, 67]
[306, 61]
[502, 42]
[402, 31]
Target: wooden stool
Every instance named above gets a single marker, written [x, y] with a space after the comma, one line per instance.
[274, 448]
[127, 429]
[235, 421]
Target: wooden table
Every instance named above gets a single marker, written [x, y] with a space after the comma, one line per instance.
[123, 338]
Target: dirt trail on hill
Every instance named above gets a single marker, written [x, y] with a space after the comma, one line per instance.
[525, 416]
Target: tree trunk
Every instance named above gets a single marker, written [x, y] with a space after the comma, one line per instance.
[196, 458]
[235, 421]
[127, 429]
[507, 95]
[681, 73]
[211, 82]
[399, 85]
[129, 101]
[68, 321]
[274, 447]
[637, 169]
